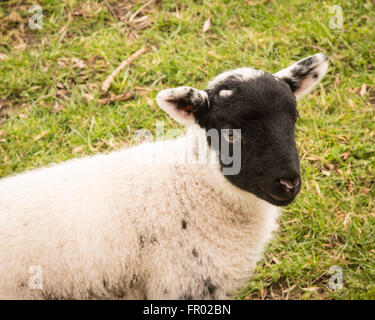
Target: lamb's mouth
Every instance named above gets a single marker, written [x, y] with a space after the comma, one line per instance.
[280, 198]
[274, 199]
[281, 201]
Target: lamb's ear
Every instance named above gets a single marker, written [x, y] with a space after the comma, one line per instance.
[303, 75]
[183, 103]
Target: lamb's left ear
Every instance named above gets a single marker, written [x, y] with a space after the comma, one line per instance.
[303, 75]
[183, 103]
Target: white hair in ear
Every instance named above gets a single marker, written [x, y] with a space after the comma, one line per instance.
[303, 75]
[180, 103]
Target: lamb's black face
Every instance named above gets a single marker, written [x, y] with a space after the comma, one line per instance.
[264, 108]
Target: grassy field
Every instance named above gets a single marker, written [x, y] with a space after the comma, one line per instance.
[50, 111]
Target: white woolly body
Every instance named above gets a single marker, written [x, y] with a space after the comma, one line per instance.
[110, 226]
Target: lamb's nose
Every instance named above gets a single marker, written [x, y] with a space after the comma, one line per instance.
[289, 185]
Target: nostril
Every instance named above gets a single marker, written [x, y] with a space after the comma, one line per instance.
[287, 184]
[290, 184]
[285, 189]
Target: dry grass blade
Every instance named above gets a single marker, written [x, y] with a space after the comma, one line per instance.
[311, 289]
[41, 135]
[109, 80]
[263, 293]
[140, 9]
[290, 288]
[363, 90]
[206, 25]
[108, 6]
[121, 97]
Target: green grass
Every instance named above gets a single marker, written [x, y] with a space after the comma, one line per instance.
[45, 118]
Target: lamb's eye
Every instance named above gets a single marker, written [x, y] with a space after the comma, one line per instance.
[231, 135]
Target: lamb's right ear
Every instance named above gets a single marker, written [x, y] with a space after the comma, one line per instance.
[303, 75]
[183, 103]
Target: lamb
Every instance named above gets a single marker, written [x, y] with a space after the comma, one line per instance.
[144, 223]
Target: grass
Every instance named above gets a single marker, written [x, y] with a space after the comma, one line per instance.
[49, 112]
